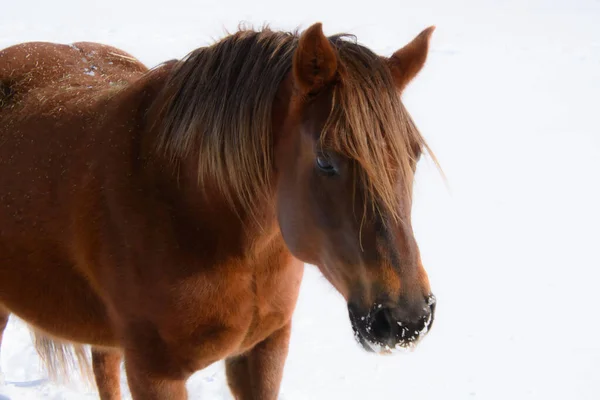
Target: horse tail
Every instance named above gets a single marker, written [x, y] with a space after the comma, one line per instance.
[62, 358]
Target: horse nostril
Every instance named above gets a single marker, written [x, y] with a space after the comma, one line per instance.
[424, 323]
[431, 302]
[412, 330]
[382, 324]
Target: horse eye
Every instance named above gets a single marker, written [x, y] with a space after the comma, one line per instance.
[325, 164]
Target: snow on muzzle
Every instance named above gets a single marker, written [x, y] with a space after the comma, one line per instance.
[384, 329]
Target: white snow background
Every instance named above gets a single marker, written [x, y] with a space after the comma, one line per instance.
[510, 102]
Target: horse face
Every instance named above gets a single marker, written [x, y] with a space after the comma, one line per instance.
[328, 216]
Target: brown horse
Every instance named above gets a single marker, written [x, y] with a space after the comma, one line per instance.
[164, 215]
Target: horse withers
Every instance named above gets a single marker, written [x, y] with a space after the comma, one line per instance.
[163, 216]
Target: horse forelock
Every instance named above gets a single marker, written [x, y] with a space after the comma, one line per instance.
[369, 124]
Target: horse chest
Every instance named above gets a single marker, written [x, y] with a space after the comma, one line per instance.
[227, 313]
[273, 297]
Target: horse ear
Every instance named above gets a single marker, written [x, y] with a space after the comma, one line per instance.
[315, 60]
[408, 61]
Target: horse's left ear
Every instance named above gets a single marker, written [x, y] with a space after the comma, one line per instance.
[315, 61]
[409, 60]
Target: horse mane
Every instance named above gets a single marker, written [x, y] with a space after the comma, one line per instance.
[219, 109]
[369, 124]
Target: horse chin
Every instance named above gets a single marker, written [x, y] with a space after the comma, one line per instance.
[372, 346]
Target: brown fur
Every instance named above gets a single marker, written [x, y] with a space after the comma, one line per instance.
[406, 63]
[163, 215]
[106, 366]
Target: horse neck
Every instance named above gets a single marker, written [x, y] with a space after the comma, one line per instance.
[176, 185]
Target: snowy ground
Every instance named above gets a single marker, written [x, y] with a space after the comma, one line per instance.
[509, 101]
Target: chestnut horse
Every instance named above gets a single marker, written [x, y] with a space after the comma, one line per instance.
[164, 216]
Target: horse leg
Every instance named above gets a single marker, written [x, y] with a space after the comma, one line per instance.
[4, 314]
[153, 373]
[257, 374]
[146, 385]
[107, 368]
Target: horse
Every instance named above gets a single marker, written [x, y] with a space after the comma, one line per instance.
[163, 217]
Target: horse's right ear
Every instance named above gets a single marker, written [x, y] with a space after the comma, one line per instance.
[315, 61]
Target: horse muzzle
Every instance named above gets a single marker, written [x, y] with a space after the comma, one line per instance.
[385, 329]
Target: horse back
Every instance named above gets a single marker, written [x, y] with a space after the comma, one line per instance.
[35, 66]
